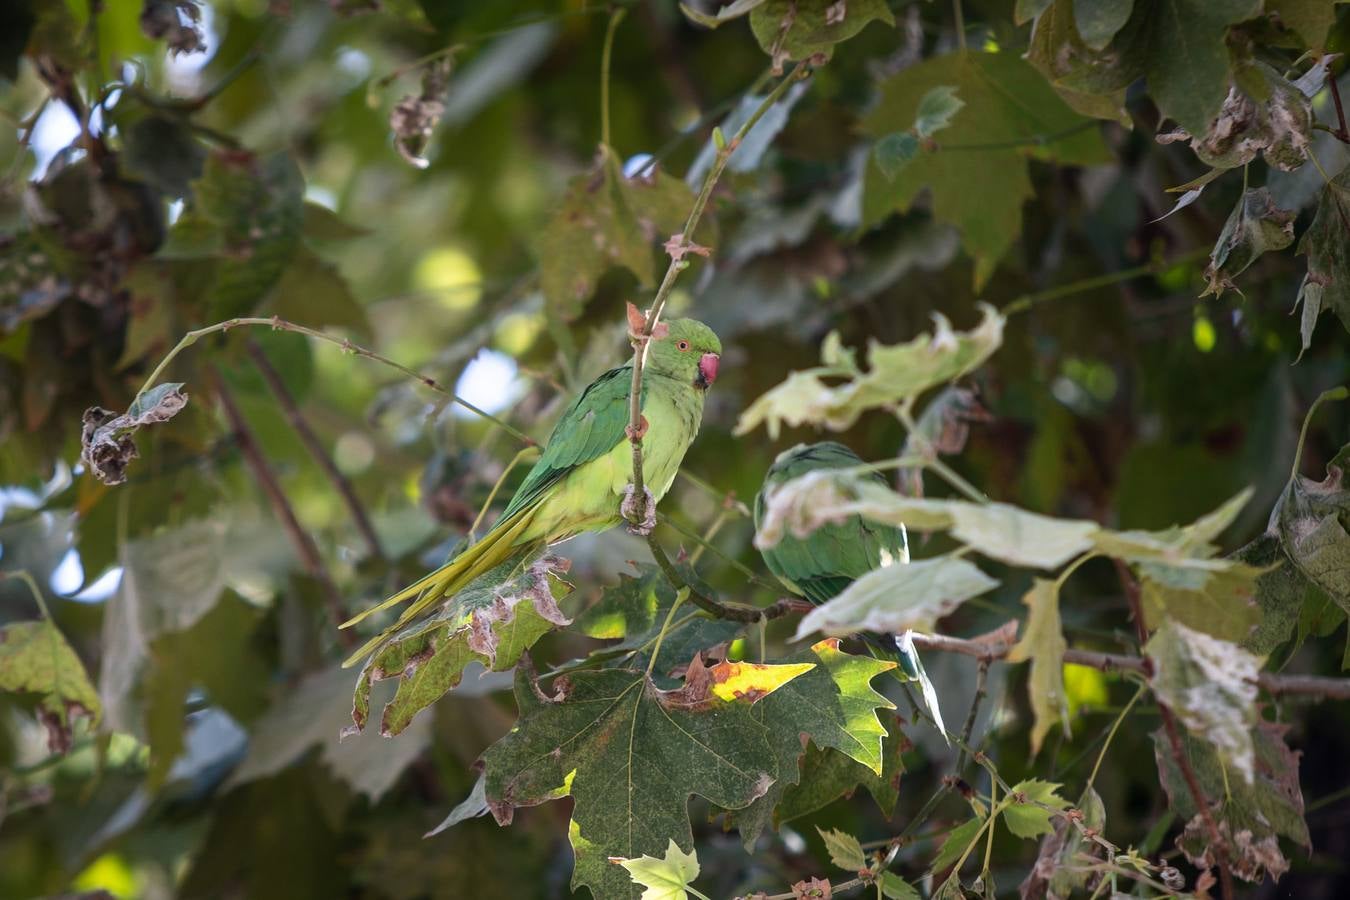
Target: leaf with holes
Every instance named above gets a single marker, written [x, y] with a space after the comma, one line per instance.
[630, 755]
[495, 619]
[896, 373]
[35, 658]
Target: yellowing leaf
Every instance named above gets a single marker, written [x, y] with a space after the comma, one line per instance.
[630, 755]
[1019, 537]
[897, 598]
[896, 373]
[1210, 685]
[36, 659]
[1043, 643]
[667, 878]
[844, 849]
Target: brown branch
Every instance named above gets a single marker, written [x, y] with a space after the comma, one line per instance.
[1342, 134]
[1314, 686]
[981, 676]
[300, 539]
[716, 608]
[642, 338]
[341, 484]
[1133, 596]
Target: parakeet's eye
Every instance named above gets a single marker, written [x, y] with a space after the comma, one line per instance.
[683, 345]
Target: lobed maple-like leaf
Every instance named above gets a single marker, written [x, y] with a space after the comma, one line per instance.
[630, 755]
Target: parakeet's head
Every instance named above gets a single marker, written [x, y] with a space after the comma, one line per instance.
[687, 350]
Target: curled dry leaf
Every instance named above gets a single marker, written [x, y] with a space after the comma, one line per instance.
[1278, 127]
[176, 22]
[1255, 225]
[414, 118]
[106, 445]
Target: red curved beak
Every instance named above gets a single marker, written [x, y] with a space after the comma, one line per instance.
[707, 370]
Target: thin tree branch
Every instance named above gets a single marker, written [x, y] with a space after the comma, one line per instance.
[981, 676]
[278, 324]
[678, 264]
[716, 608]
[1342, 134]
[286, 400]
[300, 539]
[1132, 594]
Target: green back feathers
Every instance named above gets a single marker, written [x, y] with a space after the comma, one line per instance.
[830, 558]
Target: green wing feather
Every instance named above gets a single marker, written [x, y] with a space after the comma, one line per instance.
[590, 428]
[830, 558]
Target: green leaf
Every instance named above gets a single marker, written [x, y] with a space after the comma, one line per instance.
[1309, 19]
[666, 878]
[1216, 596]
[161, 150]
[1099, 20]
[606, 221]
[493, 620]
[257, 205]
[896, 373]
[313, 713]
[1327, 284]
[314, 293]
[1250, 815]
[630, 755]
[955, 844]
[800, 29]
[895, 151]
[844, 849]
[1021, 538]
[216, 655]
[936, 109]
[1011, 111]
[896, 888]
[1043, 643]
[1255, 226]
[35, 658]
[1281, 592]
[899, 597]
[826, 775]
[1311, 517]
[635, 610]
[834, 706]
[1174, 544]
[1210, 685]
[319, 223]
[1025, 816]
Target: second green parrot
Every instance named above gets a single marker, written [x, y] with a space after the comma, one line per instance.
[586, 470]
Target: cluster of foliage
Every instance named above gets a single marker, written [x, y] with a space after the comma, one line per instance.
[1065, 232]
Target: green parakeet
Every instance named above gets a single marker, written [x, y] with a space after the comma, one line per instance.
[586, 470]
[821, 565]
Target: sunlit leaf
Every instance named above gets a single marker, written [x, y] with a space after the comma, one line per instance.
[665, 878]
[1027, 816]
[1044, 645]
[35, 658]
[631, 795]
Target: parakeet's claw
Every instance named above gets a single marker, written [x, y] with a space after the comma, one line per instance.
[629, 509]
[641, 430]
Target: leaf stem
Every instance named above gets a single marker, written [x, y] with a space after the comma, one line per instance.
[279, 324]
[27, 578]
[680, 596]
[1336, 393]
[1027, 301]
[960, 20]
[1112, 733]
[606, 55]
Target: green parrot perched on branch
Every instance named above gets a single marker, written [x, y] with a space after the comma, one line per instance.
[820, 565]
[823, 564]
[584, 479]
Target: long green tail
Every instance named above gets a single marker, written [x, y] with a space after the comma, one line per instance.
[495, 547]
